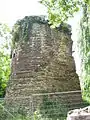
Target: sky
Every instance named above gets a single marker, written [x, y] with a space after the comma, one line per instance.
[13, 10]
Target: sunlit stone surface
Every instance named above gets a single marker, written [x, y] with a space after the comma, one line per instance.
[43, 64]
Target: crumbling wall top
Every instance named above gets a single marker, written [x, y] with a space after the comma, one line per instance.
[22, 28]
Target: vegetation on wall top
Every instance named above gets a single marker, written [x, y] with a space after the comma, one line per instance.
[22, 29]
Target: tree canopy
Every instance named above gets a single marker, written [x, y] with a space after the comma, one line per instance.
[60, 10]
[4, 57]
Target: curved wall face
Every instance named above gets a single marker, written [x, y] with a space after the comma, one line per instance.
[43, 63]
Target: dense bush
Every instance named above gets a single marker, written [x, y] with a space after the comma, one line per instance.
[5, 42]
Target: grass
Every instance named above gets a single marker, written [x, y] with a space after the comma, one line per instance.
[18, 114]
[5, 115]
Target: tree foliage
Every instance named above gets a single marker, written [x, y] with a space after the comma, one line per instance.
[60, 10]
[22, 29]
[84, 50]
[4, 57]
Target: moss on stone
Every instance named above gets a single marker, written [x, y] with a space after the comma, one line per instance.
[22, 28]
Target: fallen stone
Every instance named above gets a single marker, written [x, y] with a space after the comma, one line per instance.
[79, 114]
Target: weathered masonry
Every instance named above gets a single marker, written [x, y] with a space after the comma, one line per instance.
[42, 62]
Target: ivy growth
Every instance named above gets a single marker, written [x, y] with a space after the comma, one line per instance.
[84, 51]
[22, 28]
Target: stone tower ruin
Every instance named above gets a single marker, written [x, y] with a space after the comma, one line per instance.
[42, 61]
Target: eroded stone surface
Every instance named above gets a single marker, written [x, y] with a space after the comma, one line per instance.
[79, 114]
[43, 64]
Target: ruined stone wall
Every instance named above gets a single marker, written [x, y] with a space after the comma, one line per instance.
[43, 63]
